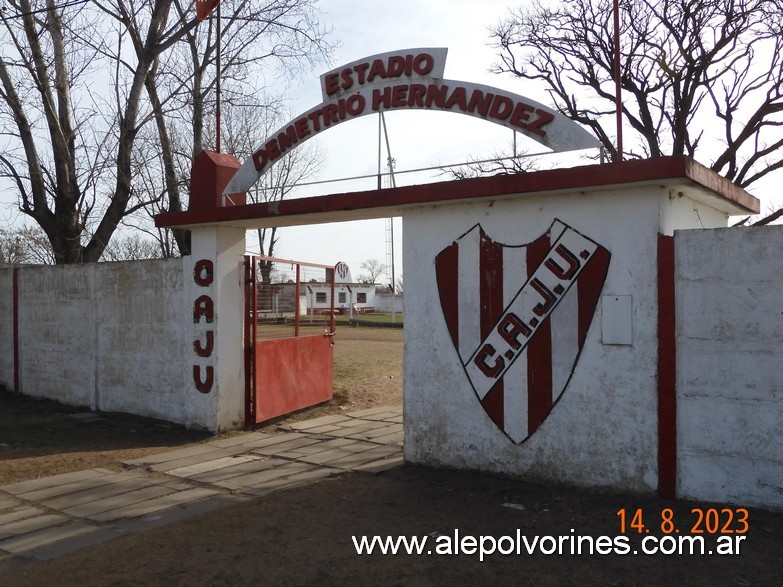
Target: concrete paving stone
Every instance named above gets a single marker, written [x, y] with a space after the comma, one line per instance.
[365, 457]
[19, 514]
[44, 536]
[87, 510]
[356, 423]
[358, 430]
[171, 455]
[286, 446]
[358, 446]
[29, 525]
[154, 505]
[258, 463]
[101, 492]
[395, 438]
[326, 429]
[382, 465]
[292, 481]
[269, 439]
[177, 485]
[53, 481]
[185, 461]
[211, 465]
[278, 438]
[46, 493]
[390, 417]
[177, 514]
[315, 447]
[286, 469]
[326, 457]
[238, 439]
[376, 410]
[381, 431]
[8, 502]
[307, 424]
[383, 417]
[374, 433]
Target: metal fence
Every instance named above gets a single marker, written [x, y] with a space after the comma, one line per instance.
[289, 298]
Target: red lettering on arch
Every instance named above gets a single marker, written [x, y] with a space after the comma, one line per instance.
[458, 98]
[331, 84]
[521, 115]
[502, 106]
[378, 69]
[416, 93]
[544, 117]
[423, 63]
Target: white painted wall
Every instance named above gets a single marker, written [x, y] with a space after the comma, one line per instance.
[388, 302]
[603, 431]
[116, 337]
[729, 291]
[119, 337]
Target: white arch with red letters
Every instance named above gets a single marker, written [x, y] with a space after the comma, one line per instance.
[404, 80]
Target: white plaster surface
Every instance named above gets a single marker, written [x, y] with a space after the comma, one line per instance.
[114, 337]
[225, 246]
[729, 361]
[603, 430]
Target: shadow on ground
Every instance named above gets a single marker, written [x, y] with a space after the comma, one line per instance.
[304, 536]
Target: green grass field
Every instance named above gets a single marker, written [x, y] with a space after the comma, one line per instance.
[380, 318]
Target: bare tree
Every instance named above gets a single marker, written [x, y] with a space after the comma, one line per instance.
[702, 79]
[242, 129]
[12, 251]
[26, 245]
[373, 270]
[61, 164]
[131, 247]
[496, 163]
[70, 134]
[257, 39]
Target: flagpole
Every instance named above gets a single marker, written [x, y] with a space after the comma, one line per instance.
[617, 85]
[217, 81]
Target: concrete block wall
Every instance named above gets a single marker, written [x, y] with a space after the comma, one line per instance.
[389, 303]
[729, 327]
[111, 336]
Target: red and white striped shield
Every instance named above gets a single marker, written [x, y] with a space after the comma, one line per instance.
[518, 317]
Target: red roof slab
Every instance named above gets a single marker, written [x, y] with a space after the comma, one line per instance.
[704, 185]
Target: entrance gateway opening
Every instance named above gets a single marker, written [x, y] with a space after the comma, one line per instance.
[539, 307]
[286, 367]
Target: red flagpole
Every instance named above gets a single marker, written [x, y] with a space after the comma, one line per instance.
[217, 81]
[617, 84]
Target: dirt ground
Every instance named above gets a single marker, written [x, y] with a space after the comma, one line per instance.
[303, 536]
[41, 438]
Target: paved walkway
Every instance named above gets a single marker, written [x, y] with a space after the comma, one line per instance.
[51, 516]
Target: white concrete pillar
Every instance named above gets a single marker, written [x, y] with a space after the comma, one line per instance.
[216, 379]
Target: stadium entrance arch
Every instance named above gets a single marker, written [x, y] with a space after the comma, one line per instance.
[538, 331]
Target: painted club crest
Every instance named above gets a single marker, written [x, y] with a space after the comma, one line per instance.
[518, 317]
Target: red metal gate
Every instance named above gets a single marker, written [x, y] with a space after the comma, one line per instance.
[289, 330]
